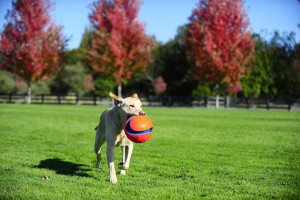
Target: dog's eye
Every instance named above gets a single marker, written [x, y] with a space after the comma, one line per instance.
[131, 106]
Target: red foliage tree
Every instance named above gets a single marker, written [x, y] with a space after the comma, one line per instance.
[31, 45]
[159, 85]
[120, 47]
[89, 83]
[219, 42]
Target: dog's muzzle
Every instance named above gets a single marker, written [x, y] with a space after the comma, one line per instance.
[142, 113]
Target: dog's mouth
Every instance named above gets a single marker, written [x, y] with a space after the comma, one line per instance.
[130, 116]
[142, 113]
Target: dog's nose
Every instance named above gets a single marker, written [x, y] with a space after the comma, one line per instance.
[142, 113]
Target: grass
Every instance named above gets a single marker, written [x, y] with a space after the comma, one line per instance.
[193, 154]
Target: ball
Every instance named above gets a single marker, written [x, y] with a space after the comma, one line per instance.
[138, 129]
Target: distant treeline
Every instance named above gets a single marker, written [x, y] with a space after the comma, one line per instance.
[275, 72]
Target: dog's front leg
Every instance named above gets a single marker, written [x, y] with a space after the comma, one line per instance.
[111, 165]
[121, 165]
[129, 150]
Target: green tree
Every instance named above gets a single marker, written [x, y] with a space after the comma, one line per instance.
[274, 73]
[86, 40]
[260, 81]
[297, 69]
[202, 90]
[156, 67]
[74, 77]
[42, 87]
[7, 83]
[70, 80]
[283, 56]
[75, 56]
[103, 85]
[173, 65]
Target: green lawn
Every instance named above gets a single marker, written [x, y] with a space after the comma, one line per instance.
[193, 153]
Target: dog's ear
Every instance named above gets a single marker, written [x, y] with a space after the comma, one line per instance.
[117, 99]
[135, 96]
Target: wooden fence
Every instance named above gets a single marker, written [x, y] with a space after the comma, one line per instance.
[55, 99]
[206, 102]
[234, 102]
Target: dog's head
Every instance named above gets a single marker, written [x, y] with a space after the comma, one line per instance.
[130, 106]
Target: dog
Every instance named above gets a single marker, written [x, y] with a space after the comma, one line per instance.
[110, 130]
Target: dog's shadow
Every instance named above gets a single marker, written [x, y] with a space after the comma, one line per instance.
[64, 167]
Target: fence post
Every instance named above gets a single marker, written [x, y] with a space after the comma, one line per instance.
[227, 102]
[189, 102]
[59, 99]
[95, 99]
[248, 102]
[290, 104]
[10, 98]
[170, 101]
[206, 101]
[43, 98]
[268, 104]
[76, 99]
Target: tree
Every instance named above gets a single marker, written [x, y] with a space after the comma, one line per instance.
[159, 85]
[75, 56]
[260, 81]
[274, 73]
[284, 55]
[219, 42]
[72, 78]
[103, 85]
[86, 39]
[171, 63]
[297, 59]
[31, 45]
[120, 47]
[7, 83]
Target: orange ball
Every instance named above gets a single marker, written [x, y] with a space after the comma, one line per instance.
[138, 129]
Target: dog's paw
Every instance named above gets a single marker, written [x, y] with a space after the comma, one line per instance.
[122, 172]
[121, 165]
[113, 180]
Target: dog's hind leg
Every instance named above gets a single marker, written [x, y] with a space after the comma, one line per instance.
[99, 141]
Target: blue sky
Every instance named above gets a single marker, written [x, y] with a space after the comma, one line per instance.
[163, 17]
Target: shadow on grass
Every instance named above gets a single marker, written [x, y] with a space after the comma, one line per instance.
[64, 167]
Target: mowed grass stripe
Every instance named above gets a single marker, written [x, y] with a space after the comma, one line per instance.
[193, 153]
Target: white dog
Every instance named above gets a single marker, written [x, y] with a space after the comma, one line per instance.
[110, 129]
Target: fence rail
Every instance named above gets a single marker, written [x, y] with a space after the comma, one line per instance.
[205, 102]
[55, 99]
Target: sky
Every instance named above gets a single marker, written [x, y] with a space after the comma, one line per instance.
[163, 17]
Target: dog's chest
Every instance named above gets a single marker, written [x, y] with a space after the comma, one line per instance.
[122, 139]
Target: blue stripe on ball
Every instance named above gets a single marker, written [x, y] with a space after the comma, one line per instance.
[129, 130]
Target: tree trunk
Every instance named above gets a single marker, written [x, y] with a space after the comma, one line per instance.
[120, 89]
[28, 97]
[217, 97]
